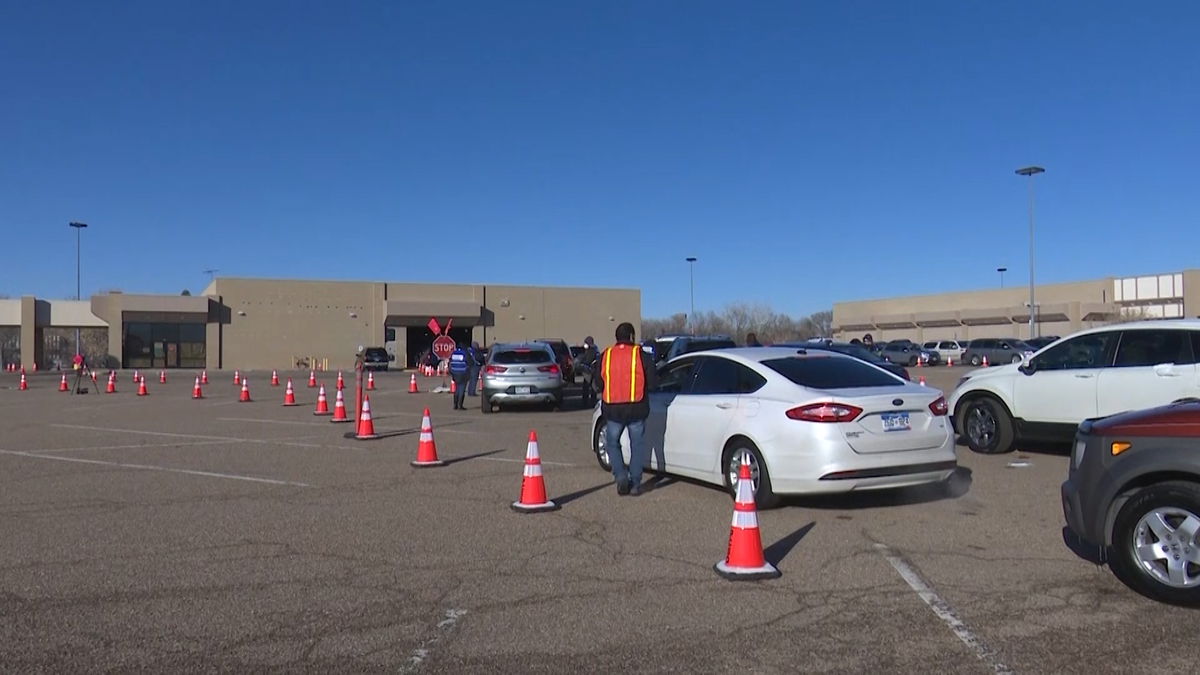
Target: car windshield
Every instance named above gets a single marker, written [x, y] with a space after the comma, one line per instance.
[518, 356]
[376, 354]
[831, 372]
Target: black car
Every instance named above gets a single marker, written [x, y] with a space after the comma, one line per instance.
[376, 358]
[562, 354]
[860, 352]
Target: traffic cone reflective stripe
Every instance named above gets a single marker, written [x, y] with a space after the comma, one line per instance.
[412, 384]
[426, 448]
[24, 385]
[312, 378]
[322, 403]
[142, 387]
[196, 391]
[274, 378]
[533, 484]
[744, 560]
[62, 385]
[370, 381]
[366, 428]
[289, 396]
[339, 409]
[245, 395]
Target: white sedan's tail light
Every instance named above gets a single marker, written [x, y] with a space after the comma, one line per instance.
[825, 412]
[939, 407]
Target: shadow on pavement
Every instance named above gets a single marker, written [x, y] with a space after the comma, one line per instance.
[775, 553]
[568, 498]
[456, 460]
[958, 485]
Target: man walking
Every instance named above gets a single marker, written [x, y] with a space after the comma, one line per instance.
[628, 375]
[475, 360]
[585, 370]
[460, 372]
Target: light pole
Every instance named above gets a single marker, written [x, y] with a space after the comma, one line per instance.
[691, 290]
[1031, 171]
[1001, 270]
[78, 295]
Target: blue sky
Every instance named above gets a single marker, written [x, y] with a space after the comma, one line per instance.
[805, 152]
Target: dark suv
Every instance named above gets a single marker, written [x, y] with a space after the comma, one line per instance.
[562, 354]
[1132, 499]
[686, 344]
[376, 358]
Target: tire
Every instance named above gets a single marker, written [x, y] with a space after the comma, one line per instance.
[598, 446]
[485, 403]
[976, 361]
[1171, 504]
[1016, 359]
[987, 426]
[764, 497]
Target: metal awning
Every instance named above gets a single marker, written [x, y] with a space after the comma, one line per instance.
[984, 317]
[402, 312]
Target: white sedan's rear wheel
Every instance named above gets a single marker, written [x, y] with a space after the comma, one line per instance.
[735, 451]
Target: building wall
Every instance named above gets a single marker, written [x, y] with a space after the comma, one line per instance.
[10, 311]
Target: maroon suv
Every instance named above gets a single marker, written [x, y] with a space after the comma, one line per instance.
[1132, 499]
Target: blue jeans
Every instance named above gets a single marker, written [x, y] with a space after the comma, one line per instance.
[473, 383]
[637, 450]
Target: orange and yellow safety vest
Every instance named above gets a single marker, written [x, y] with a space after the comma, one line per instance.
[624, 376]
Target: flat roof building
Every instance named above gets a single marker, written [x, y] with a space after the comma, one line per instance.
[1061, 309]
[278, 323]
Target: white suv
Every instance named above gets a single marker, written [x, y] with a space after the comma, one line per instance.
[1094, 373]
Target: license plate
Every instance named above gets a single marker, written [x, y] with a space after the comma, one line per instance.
[896, 422]
[522, 390]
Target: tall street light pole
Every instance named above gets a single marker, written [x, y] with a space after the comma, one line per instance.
[691, 290]
[78, 294]
[1031, 171]
[1001, 270]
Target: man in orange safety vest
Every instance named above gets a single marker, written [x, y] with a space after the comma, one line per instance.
[628, 375]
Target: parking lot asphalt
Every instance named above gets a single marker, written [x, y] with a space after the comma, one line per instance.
[162, 532]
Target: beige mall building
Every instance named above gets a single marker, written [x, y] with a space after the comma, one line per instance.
[275, 323]
[1061, 309]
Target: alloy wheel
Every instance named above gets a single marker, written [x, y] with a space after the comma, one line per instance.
[1166, 546]
[980, 425]
[735, 462]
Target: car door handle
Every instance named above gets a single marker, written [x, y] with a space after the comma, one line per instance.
[724, 406]
[1085, 376]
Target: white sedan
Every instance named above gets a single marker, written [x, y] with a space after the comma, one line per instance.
[808, 422]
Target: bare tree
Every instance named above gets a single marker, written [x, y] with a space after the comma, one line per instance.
[739, 318]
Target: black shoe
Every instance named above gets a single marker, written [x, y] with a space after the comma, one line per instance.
[637, 491]
[622, 487]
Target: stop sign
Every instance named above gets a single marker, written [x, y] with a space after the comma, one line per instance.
[443, 346]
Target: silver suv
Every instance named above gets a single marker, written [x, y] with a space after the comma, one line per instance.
[525, 372]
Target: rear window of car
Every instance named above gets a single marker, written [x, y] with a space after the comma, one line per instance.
[375, 353]
[818, 372]
[517, 356]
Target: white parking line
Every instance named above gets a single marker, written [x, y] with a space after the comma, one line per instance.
[942, 609]
[131, 447]
[149, 467]
[250, 419]
[231, 439]
[521, 461]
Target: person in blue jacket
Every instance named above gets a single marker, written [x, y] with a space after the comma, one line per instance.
[460, 372]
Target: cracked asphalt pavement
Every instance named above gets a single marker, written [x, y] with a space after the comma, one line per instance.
[162, 533]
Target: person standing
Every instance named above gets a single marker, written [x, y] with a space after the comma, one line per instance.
[476, 362]
[628, 376]
[585, 369]
[460, 372]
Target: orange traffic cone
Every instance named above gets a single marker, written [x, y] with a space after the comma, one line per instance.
[237, 377]
[204, 377]
[340, 384]
[289, 396]
[62, 385]
[370, 381]
[274, 378]
[426, 448]
[112, 384]
[162, 377]
[453, 387]
[24, 385]
[921, 381]
[479, 382]
[533, 485]
[142, 387]
[949, 361]
[312, 379]
[93, 377]
[196, 391]
[412, 384]
[366, 428]
[322, 403]
[136, 376]
[985, 363]
[245, 395]
[744, 560]
[339, 409]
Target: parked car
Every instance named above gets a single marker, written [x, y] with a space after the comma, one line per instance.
[686, 344]
[1132, 498]
[998, 351]
[857, 351]
[376, 358]
[521, 373]
[1093, 373]
[947, 349]
[908, 353]
[562, 355]
[1042, 341]
[808, 422]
